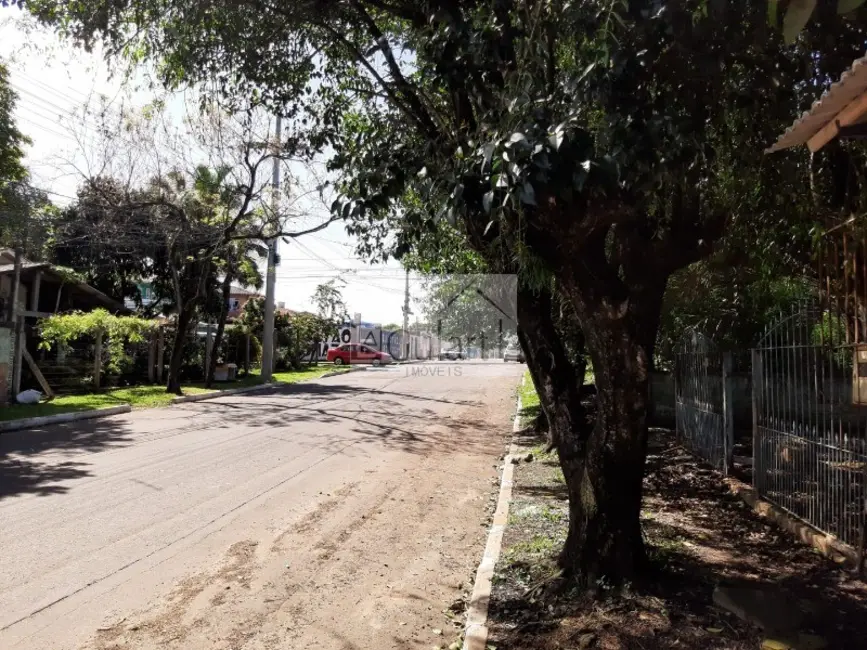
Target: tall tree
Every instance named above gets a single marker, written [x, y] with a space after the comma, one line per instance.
[173, 219]
[25, 212]
[606, 144]
[115, 264]
[238, 264]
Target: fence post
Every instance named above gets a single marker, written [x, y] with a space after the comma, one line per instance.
[208, 348]
[152, 357]
[161, 351]
[862, 536]
[757, 380]
[19, 343]
[728, 414]
[97, 360]
[677, 388]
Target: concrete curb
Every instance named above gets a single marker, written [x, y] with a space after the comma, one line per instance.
[476, 634]
[29, 423]
[341, 372]
[827, 545]
[183, 399]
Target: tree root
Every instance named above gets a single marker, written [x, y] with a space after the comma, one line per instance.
[544, 584]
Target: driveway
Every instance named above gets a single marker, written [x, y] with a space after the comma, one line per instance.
[342, 513]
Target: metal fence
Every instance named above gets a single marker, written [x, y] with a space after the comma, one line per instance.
[703, 417]
[809, 415]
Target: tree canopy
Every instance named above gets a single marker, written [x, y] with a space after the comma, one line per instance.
[12, 141]
[25, 211]
[594, 147]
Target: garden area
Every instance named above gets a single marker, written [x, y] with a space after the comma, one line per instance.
[708, 551]
[143, 397]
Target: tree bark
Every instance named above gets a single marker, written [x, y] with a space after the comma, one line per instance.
[185, 318]
[556, 378]
[221, 328]
[187, 315]
[605, 470]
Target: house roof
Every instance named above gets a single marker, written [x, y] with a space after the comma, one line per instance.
[842, 104]
[242, 291]
[28, 267]
[25, 266]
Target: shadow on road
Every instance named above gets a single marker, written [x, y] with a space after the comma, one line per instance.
[22, 470]
[46, 461]
[397, 419]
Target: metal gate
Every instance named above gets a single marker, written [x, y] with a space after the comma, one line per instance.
[702, 407]
[809, 416]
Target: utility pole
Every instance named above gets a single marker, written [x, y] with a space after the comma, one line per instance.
[405, 334]
[271, 275]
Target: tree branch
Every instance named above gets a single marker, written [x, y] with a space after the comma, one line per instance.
[412, 15]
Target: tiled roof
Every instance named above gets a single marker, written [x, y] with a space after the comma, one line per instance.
[851, 85]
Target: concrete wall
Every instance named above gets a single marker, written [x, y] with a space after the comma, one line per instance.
[6, 347]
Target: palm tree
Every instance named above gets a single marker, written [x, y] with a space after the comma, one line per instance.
[238, 264]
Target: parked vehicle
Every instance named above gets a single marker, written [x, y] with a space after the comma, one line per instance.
[451, 355]
[357, 353]
[513, 354]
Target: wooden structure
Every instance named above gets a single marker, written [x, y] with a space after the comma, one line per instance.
[31, 291]
[841, 112]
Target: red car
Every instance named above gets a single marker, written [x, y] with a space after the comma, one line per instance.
[357, 353]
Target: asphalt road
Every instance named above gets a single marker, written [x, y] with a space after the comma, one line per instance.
[342, 513]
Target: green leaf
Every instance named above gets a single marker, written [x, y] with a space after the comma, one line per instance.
[517, 137]
[528, 194]
[488, 200]
[586, 72]
[772, 12]
[797, 16]
[487, 154]
[556, 139]
[845, 6]
[488, 227]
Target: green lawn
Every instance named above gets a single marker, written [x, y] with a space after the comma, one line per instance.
[529, 400]
[530, 406]
[144, 396]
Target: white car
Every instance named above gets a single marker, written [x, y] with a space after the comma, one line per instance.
[513, 354]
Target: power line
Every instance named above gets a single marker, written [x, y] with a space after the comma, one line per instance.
[49, 105]
[316, 255]
[41, 189]
[82, 97]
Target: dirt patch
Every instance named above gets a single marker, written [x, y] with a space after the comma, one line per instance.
[699, 536]
[170, 625]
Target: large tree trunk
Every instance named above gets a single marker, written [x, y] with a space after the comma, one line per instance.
[604, 472]
[185, 318]
[221, 328]
[556, 378]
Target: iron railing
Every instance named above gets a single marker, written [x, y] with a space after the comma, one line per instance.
[809, 416]
[703, 417]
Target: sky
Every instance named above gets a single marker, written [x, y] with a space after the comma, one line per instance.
[55, 81]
